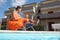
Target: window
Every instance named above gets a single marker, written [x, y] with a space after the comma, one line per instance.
[50, 12]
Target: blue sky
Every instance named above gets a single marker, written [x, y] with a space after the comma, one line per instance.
[5, 4]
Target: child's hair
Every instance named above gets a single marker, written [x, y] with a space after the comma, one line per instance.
[18, 7]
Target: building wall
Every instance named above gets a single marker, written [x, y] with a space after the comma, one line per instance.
[53, 5]
[43, 22]
[45, 11]
[47, 6]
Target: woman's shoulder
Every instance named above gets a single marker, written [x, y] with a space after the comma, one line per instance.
[14, 11]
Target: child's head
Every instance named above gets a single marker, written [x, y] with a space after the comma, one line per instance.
[27, 16]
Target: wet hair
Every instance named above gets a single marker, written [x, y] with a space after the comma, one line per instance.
[18, 7]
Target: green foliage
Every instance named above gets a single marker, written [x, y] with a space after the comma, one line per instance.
[3, 26]
[39, 27]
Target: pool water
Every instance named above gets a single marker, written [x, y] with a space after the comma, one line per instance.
[30, 36]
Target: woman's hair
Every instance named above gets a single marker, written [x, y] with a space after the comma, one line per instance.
[18, 7]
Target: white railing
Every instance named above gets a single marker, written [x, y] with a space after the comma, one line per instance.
[50, 7]
[27, 11]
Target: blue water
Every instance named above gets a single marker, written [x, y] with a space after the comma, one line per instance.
[30, 36]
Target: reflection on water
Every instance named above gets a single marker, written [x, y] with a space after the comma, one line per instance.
[30, 36]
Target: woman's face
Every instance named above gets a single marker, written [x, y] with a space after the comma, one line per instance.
[19, 10]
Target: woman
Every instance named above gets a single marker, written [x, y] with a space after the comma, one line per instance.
[17, 22]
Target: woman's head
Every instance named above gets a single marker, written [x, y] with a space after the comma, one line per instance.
[18, 8]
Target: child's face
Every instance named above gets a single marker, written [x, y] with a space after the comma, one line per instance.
[27, 16]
